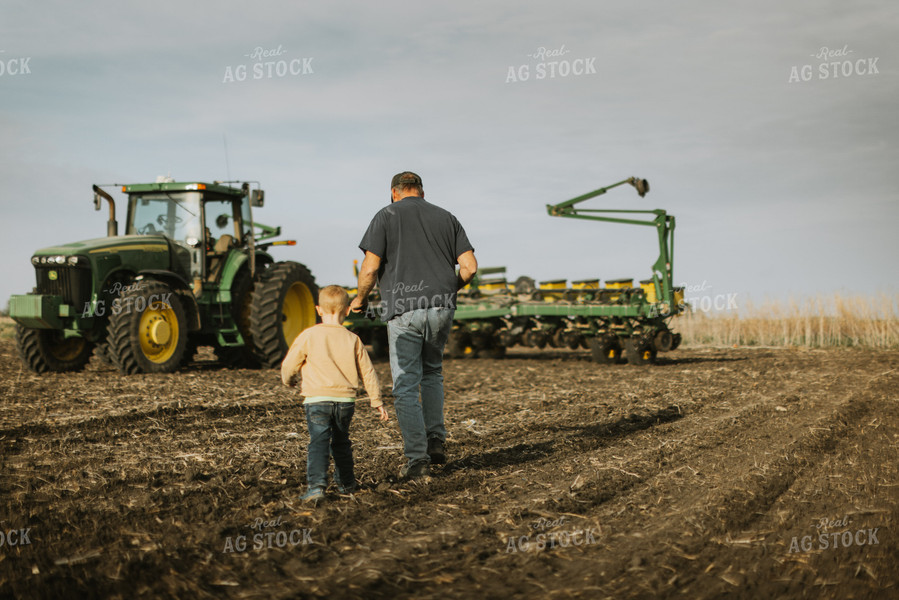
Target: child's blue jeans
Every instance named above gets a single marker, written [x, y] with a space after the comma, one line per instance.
[329, 435]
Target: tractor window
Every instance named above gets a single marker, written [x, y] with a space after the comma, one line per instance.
[176, 216]
[219, 224]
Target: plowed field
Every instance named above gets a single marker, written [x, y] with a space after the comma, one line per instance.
[745, 473]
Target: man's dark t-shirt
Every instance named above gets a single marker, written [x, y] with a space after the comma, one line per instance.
[418, 244]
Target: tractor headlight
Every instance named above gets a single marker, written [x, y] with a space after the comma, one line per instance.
[35, 260]
[74, 261]
[60, 260]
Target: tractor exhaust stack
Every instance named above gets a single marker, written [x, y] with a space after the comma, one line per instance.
[112, 226]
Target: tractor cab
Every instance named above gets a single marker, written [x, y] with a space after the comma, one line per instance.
[204, 222]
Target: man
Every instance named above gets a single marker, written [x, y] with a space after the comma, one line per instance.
[411, 249]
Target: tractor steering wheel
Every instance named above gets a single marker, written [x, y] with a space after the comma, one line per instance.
[164, 220]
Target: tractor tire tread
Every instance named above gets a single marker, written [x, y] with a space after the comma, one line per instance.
[267, 296]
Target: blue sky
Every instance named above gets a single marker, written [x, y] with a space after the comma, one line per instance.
[779, 188]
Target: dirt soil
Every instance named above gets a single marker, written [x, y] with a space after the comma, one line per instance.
[741, 473]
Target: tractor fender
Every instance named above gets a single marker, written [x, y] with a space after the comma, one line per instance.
[236, 259]
[184, 290]
[263, 261]
[239, 260]
[119, 275]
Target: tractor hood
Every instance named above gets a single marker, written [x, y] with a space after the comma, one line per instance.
[134, 253]
[108, 245]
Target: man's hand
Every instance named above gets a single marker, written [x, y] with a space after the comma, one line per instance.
[382, 413]
[468, 266]
[358, 304]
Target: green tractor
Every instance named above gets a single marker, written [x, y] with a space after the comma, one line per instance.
[191, 270]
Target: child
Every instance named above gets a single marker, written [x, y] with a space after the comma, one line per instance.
[331, 361]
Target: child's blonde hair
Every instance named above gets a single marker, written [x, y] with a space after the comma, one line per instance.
[333, 299]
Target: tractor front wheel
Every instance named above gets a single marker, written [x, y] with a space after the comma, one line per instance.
[44, 350]
[147, 329]
[282, 305]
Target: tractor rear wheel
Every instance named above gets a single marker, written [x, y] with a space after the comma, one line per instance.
[639, 352]
[101, 351]
[282, 305]
[44, 350]
[606, 349]
[147, 330]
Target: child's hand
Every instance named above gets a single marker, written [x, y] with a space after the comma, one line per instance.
[382, 413]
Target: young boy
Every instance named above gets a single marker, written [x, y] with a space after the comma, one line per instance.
[331, 361]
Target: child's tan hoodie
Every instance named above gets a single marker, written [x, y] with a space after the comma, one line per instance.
[332, 361]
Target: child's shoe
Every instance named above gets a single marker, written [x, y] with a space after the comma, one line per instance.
[313, 496]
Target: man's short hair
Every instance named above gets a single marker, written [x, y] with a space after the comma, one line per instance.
[407, 181]
[333, 299]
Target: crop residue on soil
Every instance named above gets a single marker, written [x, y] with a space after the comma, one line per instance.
[714, 473]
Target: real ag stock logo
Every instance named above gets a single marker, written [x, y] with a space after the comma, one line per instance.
[15, 537]
[280, 537]
[263, 68]
[551, 65]
[825, 539]
[11, 67]
[835, 63]
[551, 537]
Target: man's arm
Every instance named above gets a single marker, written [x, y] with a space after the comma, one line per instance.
[468, 266]
[368, 276]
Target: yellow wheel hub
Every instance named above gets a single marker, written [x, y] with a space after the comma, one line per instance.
[158, 332]
[297, 311]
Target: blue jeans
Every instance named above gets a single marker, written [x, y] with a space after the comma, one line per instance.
[416, 342]
[329, 434]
